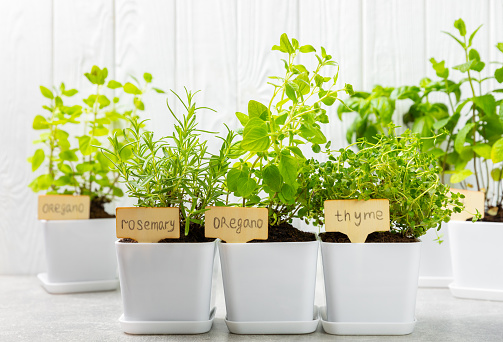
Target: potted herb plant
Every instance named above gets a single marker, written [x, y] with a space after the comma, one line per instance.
[166, 286]
[475, 149]
[269, 284]
[371, 287]
[82, 170]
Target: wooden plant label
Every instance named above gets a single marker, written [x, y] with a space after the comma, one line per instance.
[63, 207]
[357, 218]
[236, 225]
[147, 224]
[473, 201]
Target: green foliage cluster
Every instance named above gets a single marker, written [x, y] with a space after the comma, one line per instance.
[394, 168]
[173, 171]
[471, 118]
[73, 164]
[272, 171]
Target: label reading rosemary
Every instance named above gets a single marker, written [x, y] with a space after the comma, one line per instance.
[63, 207]
[357, 218]
[236, 225]
[147, 224]
[473, 201]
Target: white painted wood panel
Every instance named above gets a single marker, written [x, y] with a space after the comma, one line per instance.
[26, 57]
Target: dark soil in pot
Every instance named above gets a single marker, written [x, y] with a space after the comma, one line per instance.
[376, 237]
[98, 208]
[196, 234]
[286, 233]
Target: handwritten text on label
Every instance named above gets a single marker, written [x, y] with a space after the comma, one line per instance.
[236, 225]
[357, 218]
[148, 224]
[63, 207]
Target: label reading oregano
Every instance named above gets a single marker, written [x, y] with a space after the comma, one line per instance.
[63, 207]
[236, 225]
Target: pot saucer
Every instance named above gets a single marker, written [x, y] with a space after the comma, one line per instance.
[77, 286]
[438, 282]
[475, 293]
[167, 327]
[275, 327]
[362, 328]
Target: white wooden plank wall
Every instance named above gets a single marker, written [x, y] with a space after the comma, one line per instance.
[222, 47]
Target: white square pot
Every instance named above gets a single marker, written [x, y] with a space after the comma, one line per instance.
[435, 268]
[371, 282]
[270, 281]
[80, 250]
[477, 259]
[166, 281]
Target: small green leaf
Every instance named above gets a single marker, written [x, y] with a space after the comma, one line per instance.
[483, 150]
[290, 91]
[130, 88]
[40, 123]
[139, 104]
[160, 91]
[285, 44]
[37, 159]
[288, 169]
[460, 176]
[243, 118]
[114, 84]
[147, 77]
[288, 192]
[272, 177]
[232, 179]
[257, 110]
[500, 46]
[487, 103]
[46, 92]
[307, 48]
[465, 66]
[460, 25]
[497, 151]
[68, 155]
[247, 187]
[498, 75]
[85, 145]
[459, 142]
[316, 148]
[255, 136]
[496, 174]
[70, 92]
[296, 151]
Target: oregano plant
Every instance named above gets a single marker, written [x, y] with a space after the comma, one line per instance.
[272, 171]
[173, 171]
[72, 163]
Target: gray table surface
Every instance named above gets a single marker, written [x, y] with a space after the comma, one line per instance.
[29, 313]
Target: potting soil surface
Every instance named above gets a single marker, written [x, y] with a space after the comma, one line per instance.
[376, 237]
[29, 313]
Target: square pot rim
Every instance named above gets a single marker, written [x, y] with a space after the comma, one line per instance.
[276, 243]
[118, 243]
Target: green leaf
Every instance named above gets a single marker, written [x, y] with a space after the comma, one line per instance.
[460, 176]
[288, 192]
[257, 110]
[139, 104]
[296, 151]
[147, 77]
[288, 169]
[97, 75]
[160, 91]
[114, 84]
[118, 192]
[66, 169]
[316, 148]
[460, 25]
[302, 82]
[465, 66]
[46, 92]
[290, 91]
[232, 179]
[483, 150]
[497, 151]
[85, 146]
[247, 187]
[285, 44]
[40, 123]
[498, 75]
[70, 92]
[130, 88]
[440, 124]
[272, 177]
[473, 35]
[37, 159]
[68, 155]
[487, 103]
[439, 68]
[461, 137]
[103, 101]
[349, 89]
[500, 46]
[243, 118]
[307, 48]
[496, 174]
[255, 136]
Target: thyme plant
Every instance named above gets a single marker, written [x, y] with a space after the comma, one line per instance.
[392, 168]
[73, 164]
[173, 171]
[272, 171]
